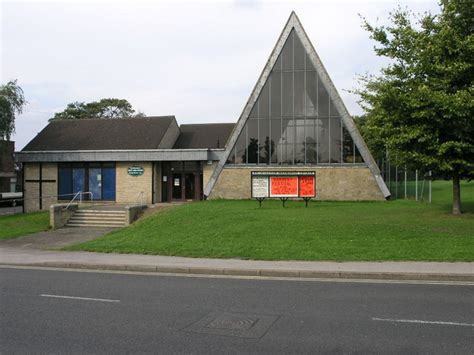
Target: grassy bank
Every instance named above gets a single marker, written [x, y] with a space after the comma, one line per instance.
[392, 230]
[17, 225]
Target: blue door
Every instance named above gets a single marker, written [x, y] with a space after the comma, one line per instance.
[78, 177]
[95, 183]
[108, 177]
[64, 183]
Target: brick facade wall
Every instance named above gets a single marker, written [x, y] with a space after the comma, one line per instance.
[332, 183]
[32, 188]
[129, 187]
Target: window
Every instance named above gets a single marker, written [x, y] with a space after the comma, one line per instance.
[294, 121]
[98, 178]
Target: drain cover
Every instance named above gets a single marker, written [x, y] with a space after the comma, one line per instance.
[233, 324]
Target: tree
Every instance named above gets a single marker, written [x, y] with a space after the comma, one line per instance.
[422, 104]
[105, 108]
[12, 101]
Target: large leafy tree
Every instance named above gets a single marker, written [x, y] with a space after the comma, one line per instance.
[422, 105]
[105, 108]
[12, 101]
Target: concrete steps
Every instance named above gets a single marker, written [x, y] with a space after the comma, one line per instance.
[97, 218]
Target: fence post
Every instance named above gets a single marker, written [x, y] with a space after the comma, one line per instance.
[389, 175]
[396, 181]
[429, 187]
[405, 183]
[416, 185]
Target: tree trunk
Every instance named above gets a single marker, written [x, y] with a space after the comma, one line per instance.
[456, 194]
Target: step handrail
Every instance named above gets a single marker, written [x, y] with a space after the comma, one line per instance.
[80, 193]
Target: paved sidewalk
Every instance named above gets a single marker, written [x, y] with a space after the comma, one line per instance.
[10, 210]
[435, 271]
[55, 239]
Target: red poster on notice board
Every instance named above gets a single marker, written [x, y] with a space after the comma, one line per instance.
[307, 186]
[283, 186]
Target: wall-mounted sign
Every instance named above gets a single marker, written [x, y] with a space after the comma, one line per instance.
[176, 181]
[283, 184]
[135, 171]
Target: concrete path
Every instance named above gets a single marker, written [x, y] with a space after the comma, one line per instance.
[10, 210]
[436, 271]
[55, 239]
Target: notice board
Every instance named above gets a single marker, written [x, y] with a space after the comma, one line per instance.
[260, 186]
[307, 187]
[283, 184]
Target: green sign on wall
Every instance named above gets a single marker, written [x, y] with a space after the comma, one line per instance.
[135, 171]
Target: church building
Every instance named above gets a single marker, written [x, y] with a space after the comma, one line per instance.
[293, 124]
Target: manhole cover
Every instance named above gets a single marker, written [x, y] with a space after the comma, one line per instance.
[233, 324]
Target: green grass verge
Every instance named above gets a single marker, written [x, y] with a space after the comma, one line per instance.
[18, 225]
[341, 231]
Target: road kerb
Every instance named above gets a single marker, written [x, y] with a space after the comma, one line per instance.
[96, 266]
[280, 273]
[242, 272]
[172, 269]
[142, 268]
[206, 271]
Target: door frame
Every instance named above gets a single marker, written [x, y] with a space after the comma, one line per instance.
[168, 185]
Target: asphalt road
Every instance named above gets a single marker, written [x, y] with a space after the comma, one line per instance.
[44, 311]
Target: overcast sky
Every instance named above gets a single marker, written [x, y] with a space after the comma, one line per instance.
[196, 60]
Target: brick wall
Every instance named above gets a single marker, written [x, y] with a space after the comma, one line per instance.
[31, 189]
[332, 183]
[128, 187]
[49, 186]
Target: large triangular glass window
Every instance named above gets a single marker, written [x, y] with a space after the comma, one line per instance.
[294, 120]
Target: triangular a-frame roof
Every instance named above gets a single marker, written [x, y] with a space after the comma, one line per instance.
[294, 24]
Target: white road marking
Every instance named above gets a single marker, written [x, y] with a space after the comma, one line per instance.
[80, 298]
[422, 322]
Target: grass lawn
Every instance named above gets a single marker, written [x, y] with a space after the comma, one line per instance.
[18, 225]
[341, 231]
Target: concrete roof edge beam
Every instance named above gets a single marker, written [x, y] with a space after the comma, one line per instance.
[250, 102]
